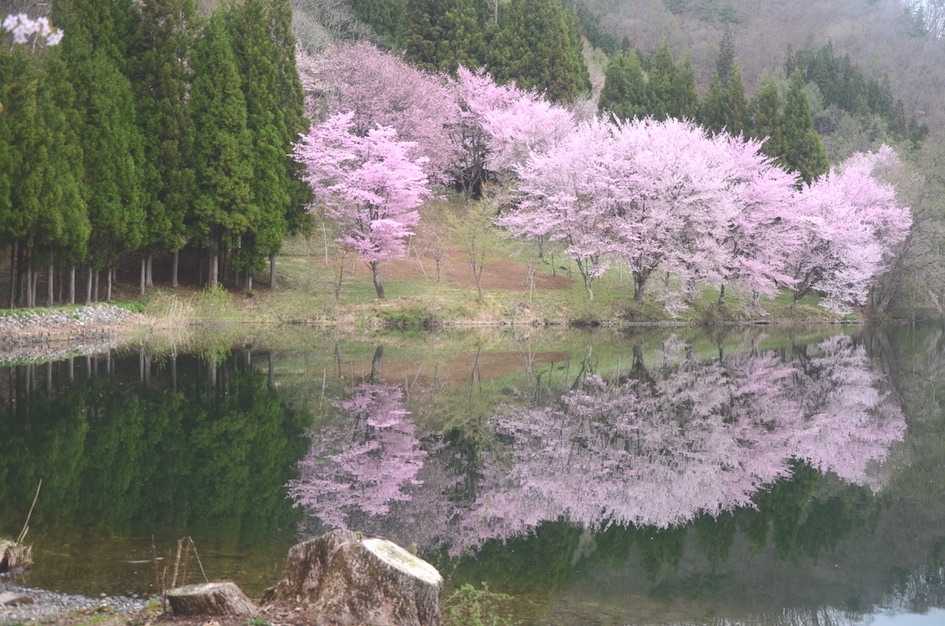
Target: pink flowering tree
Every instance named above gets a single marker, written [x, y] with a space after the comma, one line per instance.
[569, 193]
[854, 224]
[381, 89]
[24, 30]
[370, 185]
[655, 196]
[498, 127]
[764, 230]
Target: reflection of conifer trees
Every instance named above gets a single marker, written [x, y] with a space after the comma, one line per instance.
[118, 451]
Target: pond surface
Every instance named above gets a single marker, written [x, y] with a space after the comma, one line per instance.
[664, 476]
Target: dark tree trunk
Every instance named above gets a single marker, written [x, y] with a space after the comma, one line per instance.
[50, 284]
[378, 280]
[174, 268]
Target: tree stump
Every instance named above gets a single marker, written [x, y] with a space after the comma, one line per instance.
[343, 579]
[216, 598]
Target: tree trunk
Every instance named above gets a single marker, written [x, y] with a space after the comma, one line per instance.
[378, 280]
[109, 279]
[272, 271]
[722, 295]
[30, 283]
[174, 267]
[214, 263]
[88, 286]
[50, 283]
[149, 270]
[12, 290]
[72, 283]
[639, 283]
[141, 282]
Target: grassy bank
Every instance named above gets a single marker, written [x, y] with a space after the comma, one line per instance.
[423, 292]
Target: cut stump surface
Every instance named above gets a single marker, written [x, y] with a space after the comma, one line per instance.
[216, 598]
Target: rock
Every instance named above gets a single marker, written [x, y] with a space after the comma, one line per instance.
[10, 598]
[343, 579]
[216, 598]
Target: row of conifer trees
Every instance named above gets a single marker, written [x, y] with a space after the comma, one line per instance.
[149, 129]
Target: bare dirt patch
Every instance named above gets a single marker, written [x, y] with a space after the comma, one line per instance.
[455, 271]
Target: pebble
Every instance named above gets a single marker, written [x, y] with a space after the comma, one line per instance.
[36, 605]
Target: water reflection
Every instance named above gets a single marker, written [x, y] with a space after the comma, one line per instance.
[656, 446]
[129, 450]
[666, 476]
[683, 475]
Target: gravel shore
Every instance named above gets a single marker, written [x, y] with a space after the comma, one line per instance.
[33, 605]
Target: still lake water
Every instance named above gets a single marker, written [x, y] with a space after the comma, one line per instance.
[665, 476]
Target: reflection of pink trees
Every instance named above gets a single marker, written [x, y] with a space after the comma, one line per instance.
[682, 439]
[365, 464]
[687, 440]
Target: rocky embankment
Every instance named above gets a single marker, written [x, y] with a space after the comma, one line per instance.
[35, 334]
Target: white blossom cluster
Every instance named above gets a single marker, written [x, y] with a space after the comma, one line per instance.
[23, 27]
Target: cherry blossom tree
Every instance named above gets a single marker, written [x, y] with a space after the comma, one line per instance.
[498, 127]
[571, 193]
[381, 89]
[24, 29]
[854, 223]
[658, 196]
[369, 184]
[764, 230]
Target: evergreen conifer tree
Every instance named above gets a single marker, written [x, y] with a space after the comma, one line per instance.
[712, 109]
[442, 35]
[803, 151]
[736, 106]
[625, 92]
[223, 203]
[161, 77]
[261, 35]
[767, 123]
[539, 48]
[672, 87]
[111, 140]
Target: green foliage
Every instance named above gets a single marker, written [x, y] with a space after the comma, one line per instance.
[442, 35]
[803, 150]
[767, 123]
[672, 87]
[224, 205]
[625, 93]
[416, 317]
[538, 45]
[133, 306]
[468, 606]
[161, 76]
[843, 84]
